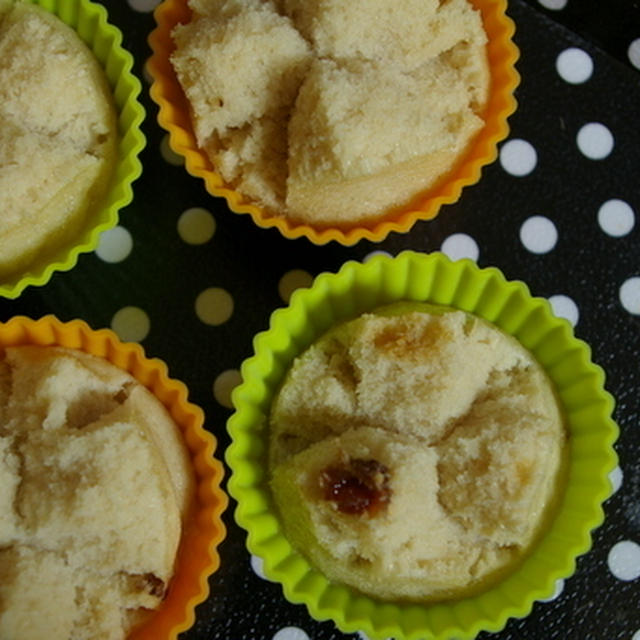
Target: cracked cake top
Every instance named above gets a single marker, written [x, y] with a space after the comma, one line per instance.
[415, 454]
[95, 484]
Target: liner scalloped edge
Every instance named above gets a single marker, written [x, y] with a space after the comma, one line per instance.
[173, 117]
[431, 278]
[197, 556]
[126, 89]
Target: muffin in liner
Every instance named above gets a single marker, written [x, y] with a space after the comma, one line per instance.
[90, 21]
[579, 384]
[197, 557]
[174, 117]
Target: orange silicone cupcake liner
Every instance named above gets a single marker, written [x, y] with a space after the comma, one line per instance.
[174, 117]
[197, 557]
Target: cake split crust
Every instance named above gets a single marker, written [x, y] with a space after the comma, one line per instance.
[415, 455]
[96, 486]
[333, 113]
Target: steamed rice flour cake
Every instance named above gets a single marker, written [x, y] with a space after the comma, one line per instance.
[95, 486]
[332, 112]
[58, 139]
[415, 454]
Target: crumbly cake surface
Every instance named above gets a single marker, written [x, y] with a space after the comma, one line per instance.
[58, 140]
[415, 455]
[95, 484]
[366, 104]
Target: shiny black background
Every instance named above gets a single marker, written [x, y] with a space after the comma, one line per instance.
[163, 276]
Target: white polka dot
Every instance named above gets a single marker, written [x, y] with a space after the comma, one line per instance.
[196, 225]
[630, 295]
[131, 324]
[168, 154]
[634, 53]
[595, 141]
[559, 588]
[616, 218]
[224, 384]
[615, 478]
[290, 633]
[373, 254]
[518, 157]
[146, 74]
[636, 635]
[257, 565]
[574, 65]
[292, 280]
[143, 6]
[538, 234]
[565, 307]
[555, 5]
[624, 560]
[115, 245]
[214, 306]
[460, 245]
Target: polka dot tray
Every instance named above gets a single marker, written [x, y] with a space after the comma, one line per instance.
[559, 209]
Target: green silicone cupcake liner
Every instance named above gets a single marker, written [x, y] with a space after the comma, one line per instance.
[90, 21]
[579, 385]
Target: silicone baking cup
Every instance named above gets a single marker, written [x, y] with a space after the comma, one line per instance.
[197, 557]
[579, 384]
[174, 117]
[90, 21]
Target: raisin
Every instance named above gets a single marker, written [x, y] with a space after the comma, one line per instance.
[149, 583]
[357, 487]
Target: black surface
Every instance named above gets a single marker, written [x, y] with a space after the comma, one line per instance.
[163, 276]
